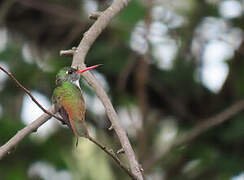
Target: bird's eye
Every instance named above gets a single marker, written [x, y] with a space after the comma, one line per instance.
[69, 72]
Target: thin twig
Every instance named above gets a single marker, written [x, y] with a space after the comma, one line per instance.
[19, 136]
[112, 154]
[29, 93]
[78, 61]
[68, 52]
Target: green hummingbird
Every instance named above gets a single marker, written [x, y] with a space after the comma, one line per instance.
[68, 100]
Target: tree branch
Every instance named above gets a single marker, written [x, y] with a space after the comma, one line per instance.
[4, 149]
[113, 117]
[78, 61]
[112, 154]
[19, 136]
[29, 93]
[95, 30]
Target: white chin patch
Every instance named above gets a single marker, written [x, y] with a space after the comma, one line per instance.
[77, 83]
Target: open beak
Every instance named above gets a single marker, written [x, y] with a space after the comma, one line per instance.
[89, 68]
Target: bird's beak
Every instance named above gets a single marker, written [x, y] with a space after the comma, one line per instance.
[89, 68]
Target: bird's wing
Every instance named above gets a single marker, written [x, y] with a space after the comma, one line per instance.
[71, 107]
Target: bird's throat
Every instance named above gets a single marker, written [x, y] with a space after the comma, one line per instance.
[77, 83]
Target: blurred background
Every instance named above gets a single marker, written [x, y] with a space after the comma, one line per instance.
[169, 65]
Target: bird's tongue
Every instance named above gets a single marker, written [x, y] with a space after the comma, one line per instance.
[86, 69]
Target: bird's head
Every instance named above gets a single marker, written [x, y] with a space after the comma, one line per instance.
[70, 74]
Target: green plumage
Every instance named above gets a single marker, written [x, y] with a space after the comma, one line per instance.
[69, 102]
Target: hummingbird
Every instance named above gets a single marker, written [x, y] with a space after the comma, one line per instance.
[68, 100]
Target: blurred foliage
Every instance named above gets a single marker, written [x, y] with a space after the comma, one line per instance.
[37, 30]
